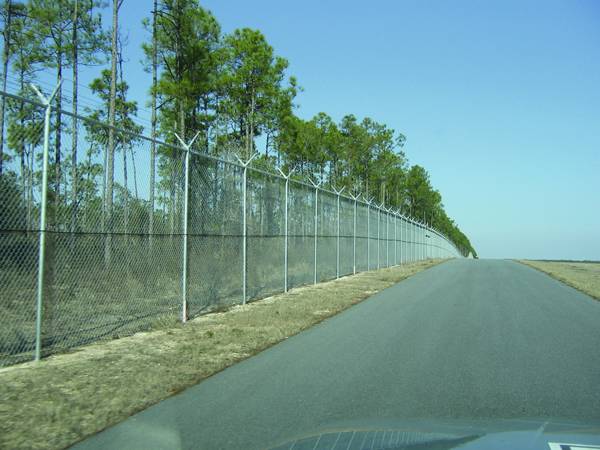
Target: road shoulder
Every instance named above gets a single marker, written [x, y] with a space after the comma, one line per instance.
[583, 276]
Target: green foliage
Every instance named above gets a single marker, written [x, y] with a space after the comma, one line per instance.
[253, 78]
[187, 39]
[231, 88]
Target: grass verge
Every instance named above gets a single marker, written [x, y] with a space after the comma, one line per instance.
[64, 398]
[583, 276]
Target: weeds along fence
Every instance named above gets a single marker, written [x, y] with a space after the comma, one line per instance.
[85, 256]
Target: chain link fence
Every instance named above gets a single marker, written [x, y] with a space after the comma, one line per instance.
[86, 255]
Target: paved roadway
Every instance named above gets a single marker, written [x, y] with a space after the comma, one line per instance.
[465, 339]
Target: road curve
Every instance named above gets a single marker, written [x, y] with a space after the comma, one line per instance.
[467, 339]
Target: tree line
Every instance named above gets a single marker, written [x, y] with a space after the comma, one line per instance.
[231, 88]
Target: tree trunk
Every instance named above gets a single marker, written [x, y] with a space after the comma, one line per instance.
[153, 122]
[267, 146]
[104, 172]
[135, 186]
[30, 189]
[111, 132]
[252, 108]
[125, 192]
[22, 125]
[182, 121]
[124, 149]
[57, 152]
[75, 55]
[88, 197]
[5, 58]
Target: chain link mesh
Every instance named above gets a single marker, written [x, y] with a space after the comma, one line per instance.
[214, 230]
[116, 242]
[362, 237]
[19, 222]
[301, 232]
[326, 236]
[346, 236]
[265, 230]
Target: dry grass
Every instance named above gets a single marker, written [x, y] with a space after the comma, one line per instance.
[67, 397]
[583, 276]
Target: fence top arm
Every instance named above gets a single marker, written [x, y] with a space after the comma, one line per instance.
[315, 185]
[338, 193]
[247, 163]
[189, 144]
[290, 173]
[46, 100]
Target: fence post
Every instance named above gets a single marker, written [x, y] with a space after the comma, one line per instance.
[46, 101]
[378, 237]
[422, 241]
[395, 238]
[186, 196]
[402, 239]
[387, 237]
[401, 242]
[354, 236]
[368, 233]
[411, 245]
[426, 240]
[244, 225]
[316, 186]
[407, 239]
[285, 241]
[418, 240]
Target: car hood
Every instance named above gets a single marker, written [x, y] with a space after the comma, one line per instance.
[526, 434]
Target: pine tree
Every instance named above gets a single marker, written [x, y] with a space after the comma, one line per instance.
[11, 12]
[88, 40]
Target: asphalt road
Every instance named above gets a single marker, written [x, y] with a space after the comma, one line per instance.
[468, 339]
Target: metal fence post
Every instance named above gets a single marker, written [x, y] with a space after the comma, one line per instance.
[244, 232]
[395, 238]
[285, 241]
[426, 240]
[186, 195]
[368, 234]
[244, 224]
[316, 186]
[46, 101]
[422, 240]
[387, 237]
[354, 236]
[378, 243]
[401, 241]
[409, 238]
[418, 240]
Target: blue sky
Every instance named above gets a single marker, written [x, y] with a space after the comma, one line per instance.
[500, 101]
